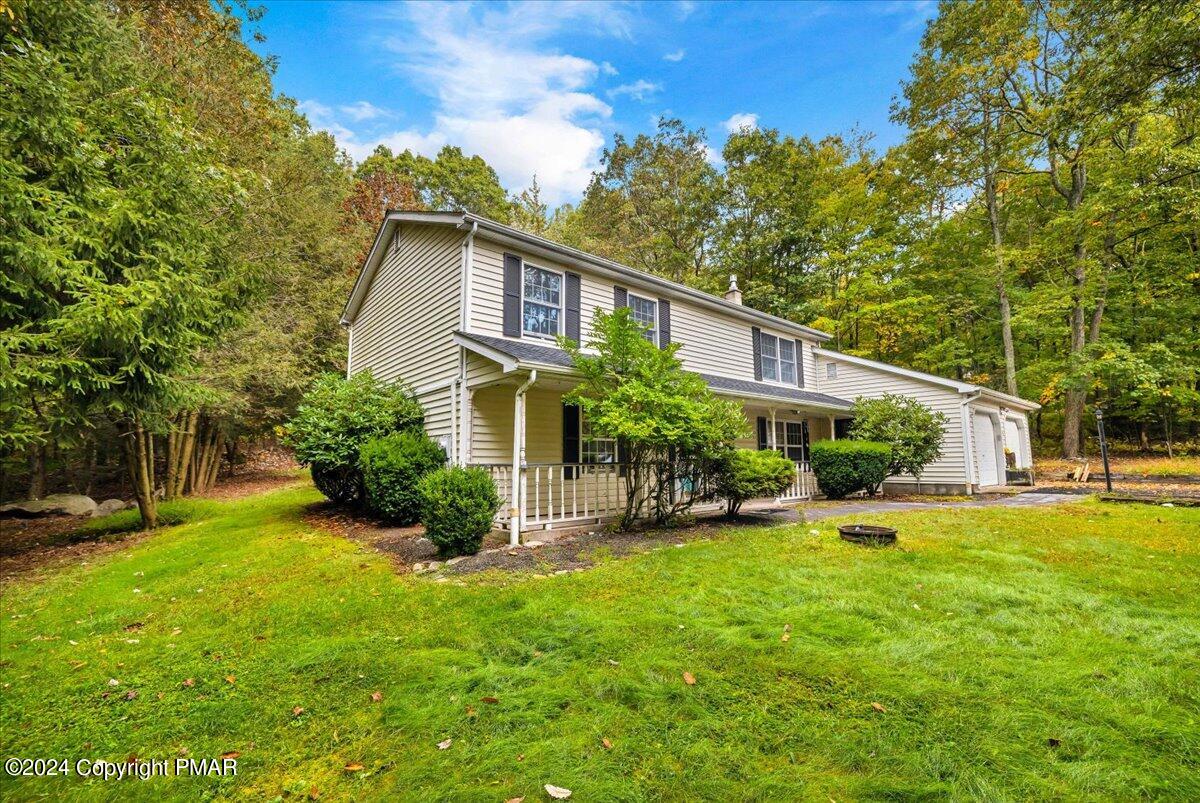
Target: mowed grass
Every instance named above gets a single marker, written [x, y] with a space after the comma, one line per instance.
[1019, 653]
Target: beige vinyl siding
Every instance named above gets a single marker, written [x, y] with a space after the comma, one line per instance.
[854, 381]
[403, 330]
[492, 425]
[711, 343]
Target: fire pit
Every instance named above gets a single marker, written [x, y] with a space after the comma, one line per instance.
[867, 534]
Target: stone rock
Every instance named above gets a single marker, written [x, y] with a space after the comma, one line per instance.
[418, 568]
[109, 506]
[534, 544]
[458, 559]
[52, 505]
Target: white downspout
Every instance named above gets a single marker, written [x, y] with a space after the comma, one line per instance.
[968, 452]
[349, 347]
[468, 258]
[518, 483]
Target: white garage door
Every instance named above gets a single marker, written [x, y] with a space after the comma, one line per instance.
[1012, 441]
[985, 450]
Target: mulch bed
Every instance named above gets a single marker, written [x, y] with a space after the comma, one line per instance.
[410, 551]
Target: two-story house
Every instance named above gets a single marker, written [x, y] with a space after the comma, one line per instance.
[466, 310]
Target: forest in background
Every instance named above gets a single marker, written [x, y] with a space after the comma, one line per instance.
[177, 240]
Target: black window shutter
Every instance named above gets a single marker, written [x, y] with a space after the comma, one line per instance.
[763, 441]
[622, 457]
[804, 441]
[756, 345]
[664, 323]
[512, 295]
[572, 329]
[570, 438]
[800, 363]
[620, 297]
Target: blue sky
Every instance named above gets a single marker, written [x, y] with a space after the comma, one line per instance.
[543, 87]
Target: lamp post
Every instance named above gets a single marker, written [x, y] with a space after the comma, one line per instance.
[1103, 447]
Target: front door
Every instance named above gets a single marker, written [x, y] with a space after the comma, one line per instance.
[985, 450]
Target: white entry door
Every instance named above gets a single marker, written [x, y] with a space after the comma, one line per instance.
[985, 450]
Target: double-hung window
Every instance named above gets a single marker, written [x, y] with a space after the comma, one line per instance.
[541, 305]
[592, 448]
[789, 440]
[645, 312]
[777, 359]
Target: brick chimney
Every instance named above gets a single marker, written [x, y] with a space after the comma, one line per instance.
[733, 294]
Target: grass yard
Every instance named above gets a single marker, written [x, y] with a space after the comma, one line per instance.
[1022, 653]
[1150, 467]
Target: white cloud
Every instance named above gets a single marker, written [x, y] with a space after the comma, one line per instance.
[684, 9]
[363, 110]
[503, 91]
[638, 90]
[676, 56]
[739, 121]
[359, 146]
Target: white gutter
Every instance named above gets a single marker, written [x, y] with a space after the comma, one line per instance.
[518, 478]
[968, 452]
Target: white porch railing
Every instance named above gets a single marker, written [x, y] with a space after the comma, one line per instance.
[804, 484]
[563, 494]
[554, 494]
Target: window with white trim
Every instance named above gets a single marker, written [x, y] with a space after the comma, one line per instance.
[777, 359]
[831, 370]
[541, 301]
[645, 312]
[593, 448]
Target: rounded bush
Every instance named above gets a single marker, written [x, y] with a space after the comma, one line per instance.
[843, 467]
[392, 468]
[336, 417]
[748, 474]
[457, 508]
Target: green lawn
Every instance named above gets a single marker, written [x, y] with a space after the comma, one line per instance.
[1017, 654]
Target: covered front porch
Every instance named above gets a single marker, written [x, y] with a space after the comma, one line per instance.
[553, 472]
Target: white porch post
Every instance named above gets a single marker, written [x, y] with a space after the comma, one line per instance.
[771, 434]
[832, 429]
[516, 511]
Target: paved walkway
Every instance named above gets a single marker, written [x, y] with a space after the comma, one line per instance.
[787, 513]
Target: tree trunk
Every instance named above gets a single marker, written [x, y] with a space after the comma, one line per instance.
[37, 472]
[1075, 397]
[993, 210]
[139, 460]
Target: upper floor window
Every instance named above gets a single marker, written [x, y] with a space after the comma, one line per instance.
[541, 305]
[645, 312]
[831, 370]
[777, 359]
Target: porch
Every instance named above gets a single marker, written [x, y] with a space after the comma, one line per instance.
[552, 472]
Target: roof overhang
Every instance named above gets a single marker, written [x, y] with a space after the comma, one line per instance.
[515, 238]
[960, 387]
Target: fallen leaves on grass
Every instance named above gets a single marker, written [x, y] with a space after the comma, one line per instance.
[230, 679]
[879, 707]
[787, 633]
[231, 754]
[313, 793]
[689, 678]
[376, 696]
[607, 744]
[187, 684]
[515, 800]
[557, 792]
[445, 745]
[355, 767]
[297, 711]
[489, 700]
[131, 695]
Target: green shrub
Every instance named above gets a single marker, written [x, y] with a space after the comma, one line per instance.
[457, 508]
[843, 467]
[743, 474]
[392, 467]
[336, 417]
[912, 430]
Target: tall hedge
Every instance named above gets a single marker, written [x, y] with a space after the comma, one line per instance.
[844, 467]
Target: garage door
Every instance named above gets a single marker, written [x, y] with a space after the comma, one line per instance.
[1012, 440]
[985, 450]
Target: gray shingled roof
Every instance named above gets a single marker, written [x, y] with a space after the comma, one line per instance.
[549, 355]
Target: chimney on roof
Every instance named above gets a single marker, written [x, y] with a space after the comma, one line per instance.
[733, 294]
